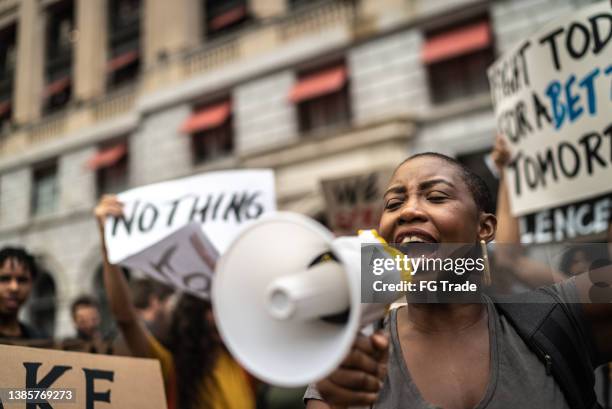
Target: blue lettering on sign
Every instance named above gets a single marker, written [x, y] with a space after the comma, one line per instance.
[566, 98]
[572, 100]
[558, 108]
[588, 83]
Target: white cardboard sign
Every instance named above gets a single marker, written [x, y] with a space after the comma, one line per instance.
[552, 95]
[174, 231]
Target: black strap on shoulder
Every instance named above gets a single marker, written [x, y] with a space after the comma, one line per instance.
[548, 327]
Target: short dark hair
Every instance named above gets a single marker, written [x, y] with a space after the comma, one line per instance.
[84, 301]
[477, 187]
[144, 288]
[21, 256]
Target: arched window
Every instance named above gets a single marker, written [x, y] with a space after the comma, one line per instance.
[41, 306]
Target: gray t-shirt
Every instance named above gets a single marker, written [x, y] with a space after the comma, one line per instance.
[517, 378]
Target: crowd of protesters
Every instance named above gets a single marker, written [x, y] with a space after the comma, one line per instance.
[180, 331]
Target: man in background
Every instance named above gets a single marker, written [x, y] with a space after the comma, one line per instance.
[152, 302]
[86, 317]
[18, 271]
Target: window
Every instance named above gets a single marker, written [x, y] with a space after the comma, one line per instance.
[457, 59]
[113, 179]
[213, 144]
[58, 63]
[322, 99]
[7, 71]
[123, 42]
[223, 16]
[45, 190]
[210, 127]
[111, 166]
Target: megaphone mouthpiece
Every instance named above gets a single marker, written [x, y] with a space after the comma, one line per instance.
[319, 291]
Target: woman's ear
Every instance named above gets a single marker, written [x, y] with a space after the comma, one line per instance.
[487, 226]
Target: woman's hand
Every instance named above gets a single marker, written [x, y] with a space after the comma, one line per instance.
[360, 376]
[500, 154]
[108, 205]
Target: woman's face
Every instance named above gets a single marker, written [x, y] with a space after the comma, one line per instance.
[428, 201]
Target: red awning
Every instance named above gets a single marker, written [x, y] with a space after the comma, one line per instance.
[56, 87]
[227, 18]
[122, 60]
[107, 157]
[206, 118]
[320, 83]
[456, 42]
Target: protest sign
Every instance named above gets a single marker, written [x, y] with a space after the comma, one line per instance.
[552, 96]
[355, 202]
[586, 218]
[185, 260]
[40, 378]
[174, 231]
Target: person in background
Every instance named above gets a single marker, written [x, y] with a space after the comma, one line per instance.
[152, 302]
[198, 370]
[18, 271]
[87, 320]
[86, 317]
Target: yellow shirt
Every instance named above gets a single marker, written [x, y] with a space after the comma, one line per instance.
[233, 390]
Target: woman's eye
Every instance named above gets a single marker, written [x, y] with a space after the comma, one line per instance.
[436, 198]
[393, 204]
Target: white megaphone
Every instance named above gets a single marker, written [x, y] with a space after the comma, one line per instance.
[273, 289]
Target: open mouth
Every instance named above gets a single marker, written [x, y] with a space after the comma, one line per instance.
[416, 244]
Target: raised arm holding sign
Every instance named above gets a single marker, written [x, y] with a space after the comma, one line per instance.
[174, 232]
[196, 353]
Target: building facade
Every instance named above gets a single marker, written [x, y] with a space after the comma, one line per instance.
[103, 95]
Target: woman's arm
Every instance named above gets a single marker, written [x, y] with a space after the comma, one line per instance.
[507, 225]
[509, 254]
[117, 289]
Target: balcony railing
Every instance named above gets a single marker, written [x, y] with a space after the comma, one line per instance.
[302, 21]
[114, 104]
[49, 128]
[316, 17]
[212, 55]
